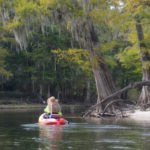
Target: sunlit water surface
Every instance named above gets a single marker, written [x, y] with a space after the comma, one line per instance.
[20, 131]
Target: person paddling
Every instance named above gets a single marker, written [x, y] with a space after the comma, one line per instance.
[48, 110]
[53, 109]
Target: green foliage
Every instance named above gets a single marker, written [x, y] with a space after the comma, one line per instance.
[109, 45]
[39, 65]
[111, 62]
[133, 95]
[75, 56]
[50, 60]
[130, 58]
[3, 71]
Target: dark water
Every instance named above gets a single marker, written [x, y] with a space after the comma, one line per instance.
[20, 131]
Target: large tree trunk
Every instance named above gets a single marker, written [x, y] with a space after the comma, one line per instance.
[104, 83]
[145, 57]
[145, 94]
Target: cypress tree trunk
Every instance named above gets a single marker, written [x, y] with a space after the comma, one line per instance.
[104, 83]
[145, 58]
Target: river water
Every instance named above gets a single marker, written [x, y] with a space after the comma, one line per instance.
[19, 130]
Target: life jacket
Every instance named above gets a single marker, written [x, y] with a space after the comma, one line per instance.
[55, 108]
[47, 110]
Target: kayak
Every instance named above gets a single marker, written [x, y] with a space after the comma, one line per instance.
[51, 121]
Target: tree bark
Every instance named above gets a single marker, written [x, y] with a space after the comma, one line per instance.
[145, 57]
[104, 82]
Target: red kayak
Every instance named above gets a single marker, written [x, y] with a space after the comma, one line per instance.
[51, 121]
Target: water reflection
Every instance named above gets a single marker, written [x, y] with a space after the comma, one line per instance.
[122, 133]
[20, 131]
[52, 135]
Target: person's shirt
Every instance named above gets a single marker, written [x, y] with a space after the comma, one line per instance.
[55, 108]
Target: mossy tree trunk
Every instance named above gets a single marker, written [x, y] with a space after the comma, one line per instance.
[145, 58]
[104, 82]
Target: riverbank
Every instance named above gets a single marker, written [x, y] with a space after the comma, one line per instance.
[21, 106]
[66, 108]
[140, 115]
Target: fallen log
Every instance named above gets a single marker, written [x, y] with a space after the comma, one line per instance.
[117, 93]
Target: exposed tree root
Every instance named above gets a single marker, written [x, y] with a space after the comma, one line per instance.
[109, 104]
[145, 106]
[117, 93]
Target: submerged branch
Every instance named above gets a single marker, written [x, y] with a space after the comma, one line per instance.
[130, 86]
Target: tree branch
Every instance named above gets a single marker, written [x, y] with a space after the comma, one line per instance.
[109, 104]
[130, 86]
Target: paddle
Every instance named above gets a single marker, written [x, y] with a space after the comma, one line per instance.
[51, 110]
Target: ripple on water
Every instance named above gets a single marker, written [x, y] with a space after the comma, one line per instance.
[29, 127]
[108, 127]
[146, 134]
[114, 141]
[77, 124]
[16, 143]
[86, 125]
[122, 147]
[42, 140]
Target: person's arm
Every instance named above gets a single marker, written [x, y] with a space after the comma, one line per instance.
[59, 107]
